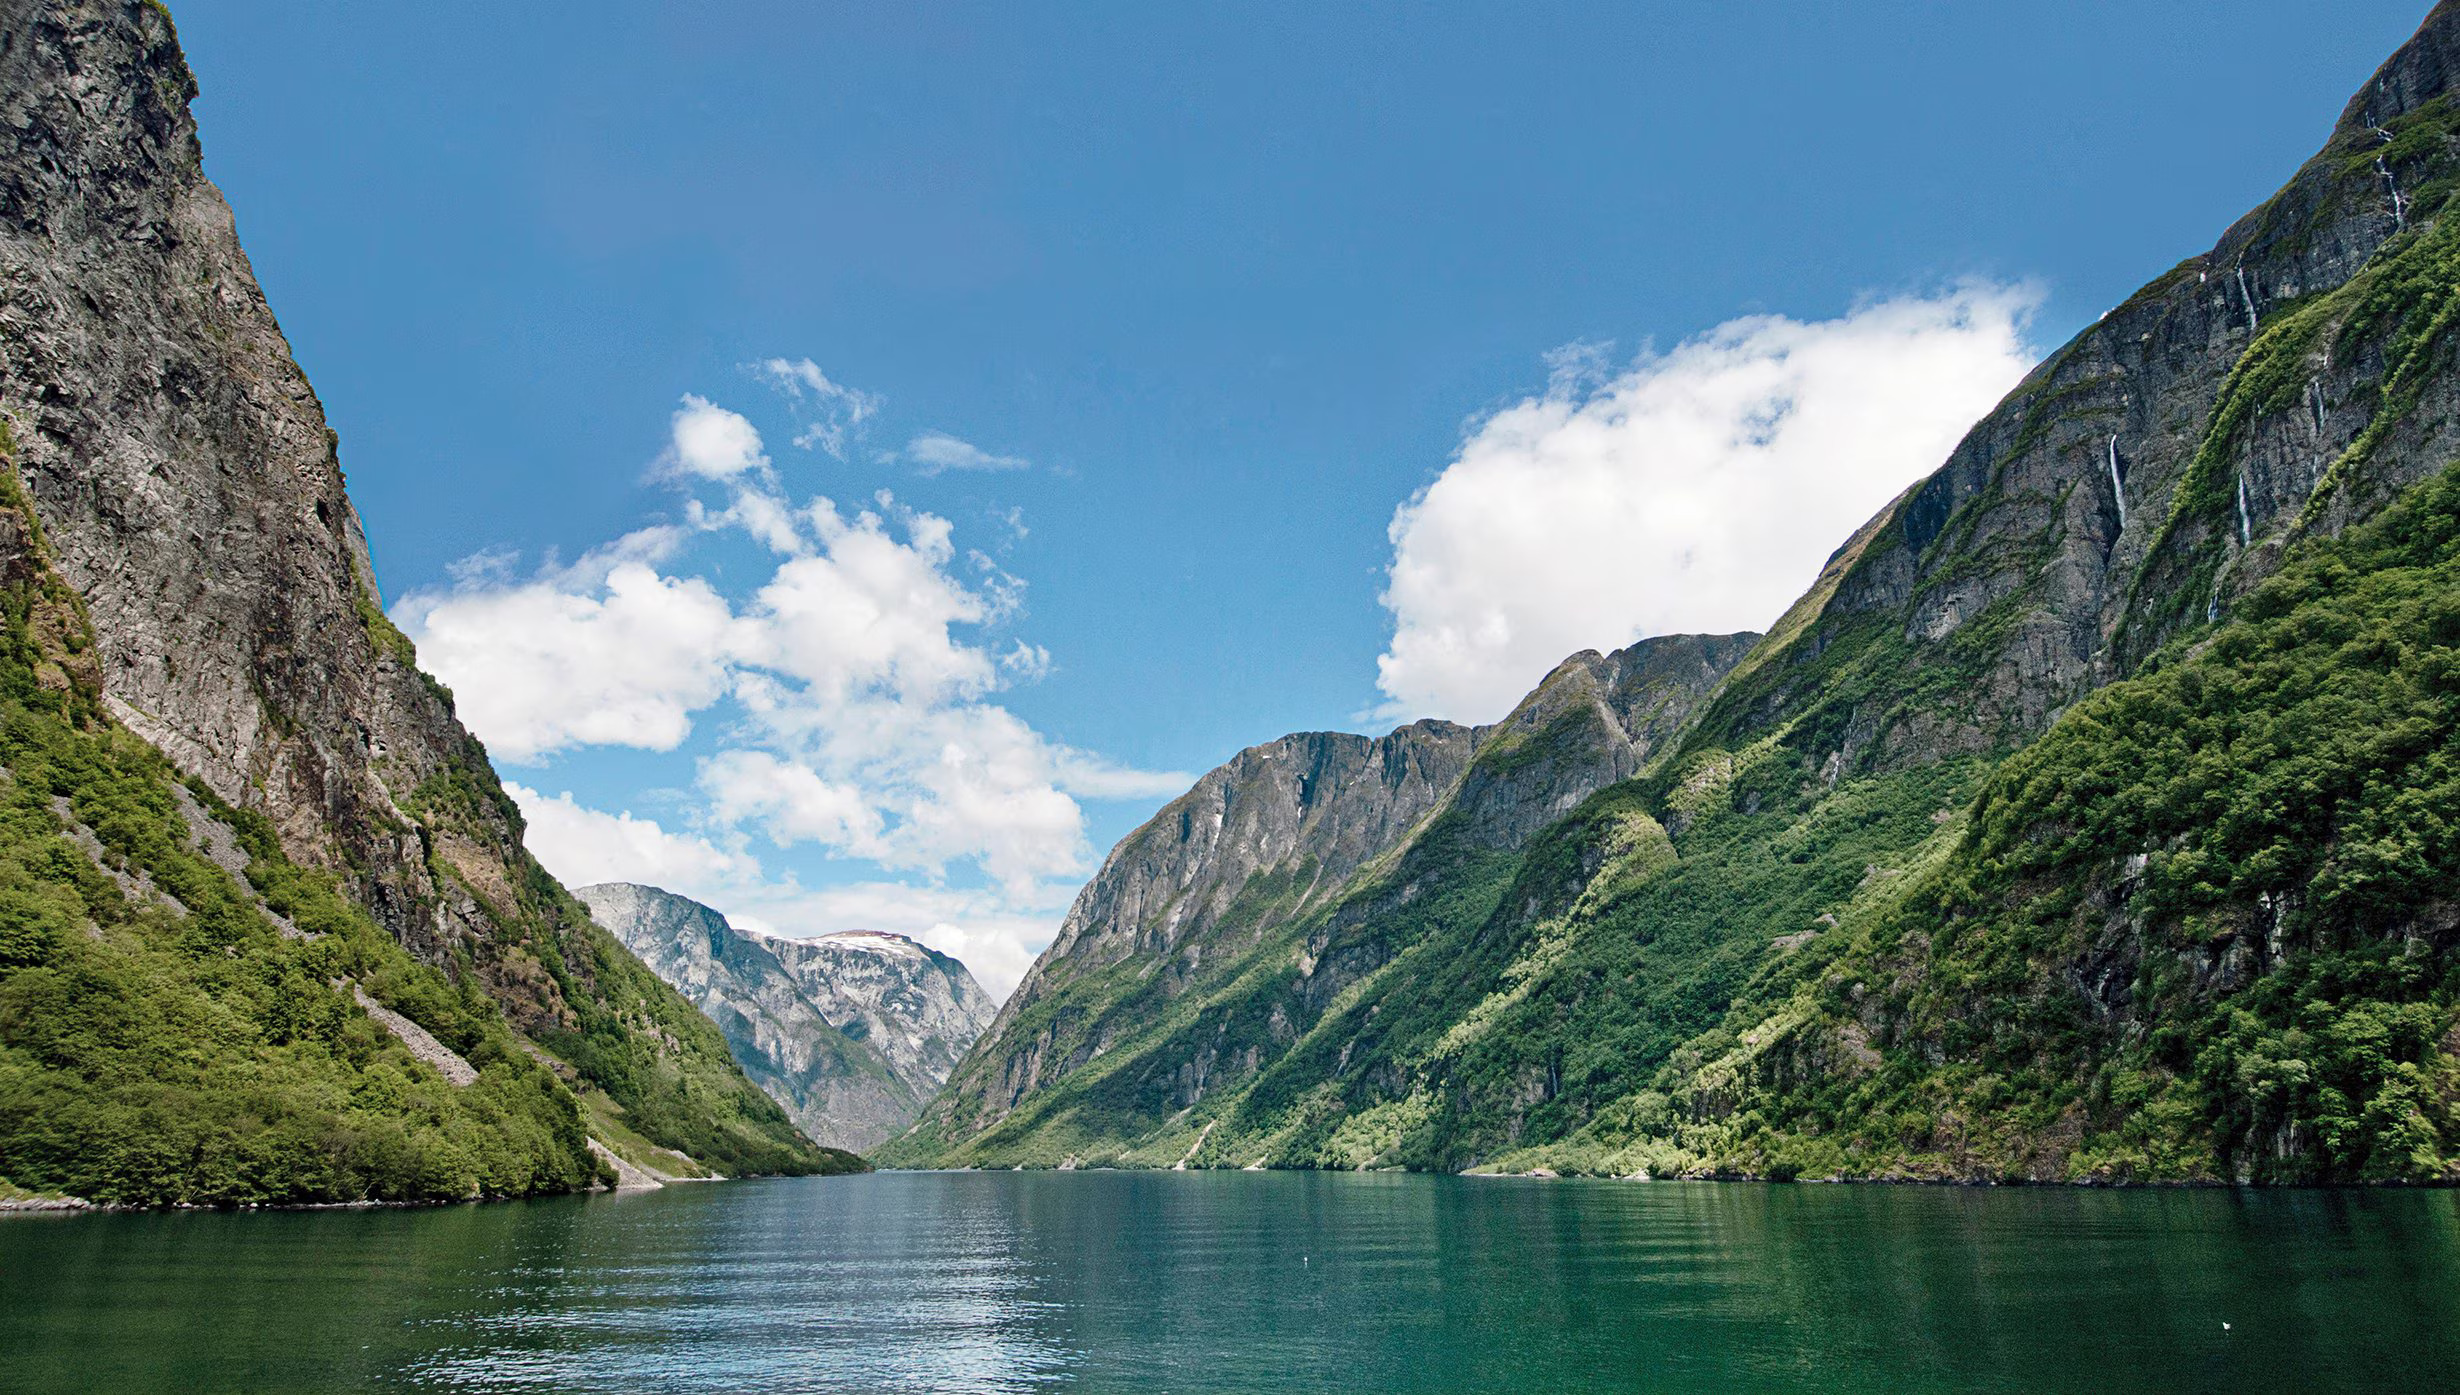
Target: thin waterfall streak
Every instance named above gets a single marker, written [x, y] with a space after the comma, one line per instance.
[2246, 534]
[2400, 207]
[2118, 487]
[2248, 296]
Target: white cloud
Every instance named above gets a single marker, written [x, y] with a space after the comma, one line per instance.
[1028, 662]
[935, 451]
[1699, 490]
[762, 513]
[965, 782]
[991, 789]
[1092, 777]
[714, 443]
[838, 410]
[583, 846]
[618, 656]
[793, 802]
[869, 611]
[856, 676]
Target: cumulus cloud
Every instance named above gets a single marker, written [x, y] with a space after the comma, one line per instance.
[871, 611]
[619, 656]
[857, 677]
[1699, 489]
[583, 846]
[792, 800]
[935, 451]
[995, 937]
[1030, 662]
[958, 782]
[714, 443]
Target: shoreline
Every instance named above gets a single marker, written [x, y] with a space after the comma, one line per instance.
[79, 1206]
[1733, 1178]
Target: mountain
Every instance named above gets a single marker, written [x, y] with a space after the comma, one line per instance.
[2089, 819]
[269, 908]
[850, 1032]
[1280, 881]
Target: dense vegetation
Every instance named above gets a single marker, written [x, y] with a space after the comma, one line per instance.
[161, 1040]
[1482, 999]
[2204, 928]
[164, 1039]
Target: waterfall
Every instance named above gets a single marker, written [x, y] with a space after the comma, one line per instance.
[2314, 401]
[2246, 535]
[2118, 487]
[2400, 206]
[2248, 296]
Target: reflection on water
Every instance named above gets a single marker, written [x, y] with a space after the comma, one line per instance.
[1202, 1282]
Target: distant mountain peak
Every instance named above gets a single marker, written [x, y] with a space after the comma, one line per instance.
[850, 1032]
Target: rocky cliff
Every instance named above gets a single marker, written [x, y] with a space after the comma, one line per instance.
[2028, 843]
[192, 498]
[849, 1032]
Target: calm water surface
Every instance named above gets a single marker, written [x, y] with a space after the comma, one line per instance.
[1253, 1283]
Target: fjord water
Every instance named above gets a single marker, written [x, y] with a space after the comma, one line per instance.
[1253, 1283]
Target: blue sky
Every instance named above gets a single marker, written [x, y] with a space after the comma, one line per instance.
[1222, 293]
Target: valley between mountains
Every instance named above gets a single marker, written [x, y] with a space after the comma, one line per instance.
[2095, 817]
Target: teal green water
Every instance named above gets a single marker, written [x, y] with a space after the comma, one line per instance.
[1253, 1283]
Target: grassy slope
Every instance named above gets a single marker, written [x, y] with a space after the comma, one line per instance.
[2203, 929]
[178, 1048]
[1494, 997]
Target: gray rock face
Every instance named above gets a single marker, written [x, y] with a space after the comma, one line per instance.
[1282, 828]
[192, 494]
[2151, 471]
[849, 1032]
[182, 467]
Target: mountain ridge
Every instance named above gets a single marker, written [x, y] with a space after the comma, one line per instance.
[1608, 994]
[1281, 827]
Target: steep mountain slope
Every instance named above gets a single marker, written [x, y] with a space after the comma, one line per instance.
[2202, 929]
[190, 496]
[1219, 928]
[1756, 955]
[849, 1032]
[177, 1014]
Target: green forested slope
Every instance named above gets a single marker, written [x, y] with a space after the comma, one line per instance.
[2202, 929]
[163, 1039]
[160, 1040]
